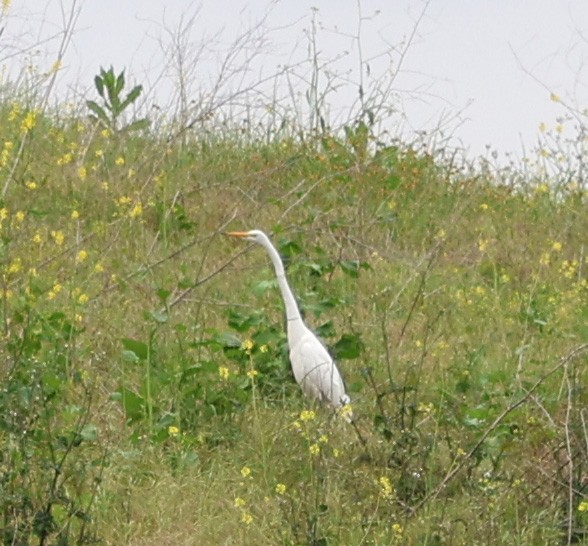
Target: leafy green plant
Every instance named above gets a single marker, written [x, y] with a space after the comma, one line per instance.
[114, 102]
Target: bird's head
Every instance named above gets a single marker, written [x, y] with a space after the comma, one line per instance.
[254, 235]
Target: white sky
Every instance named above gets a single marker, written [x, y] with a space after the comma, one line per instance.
[484, 67]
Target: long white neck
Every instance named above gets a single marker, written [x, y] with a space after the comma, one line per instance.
[292, 311]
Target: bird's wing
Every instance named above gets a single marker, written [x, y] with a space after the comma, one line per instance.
[316, 372]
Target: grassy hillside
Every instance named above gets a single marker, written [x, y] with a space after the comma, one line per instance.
[146, 394]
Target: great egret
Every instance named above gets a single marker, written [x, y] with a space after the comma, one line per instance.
[313, 367]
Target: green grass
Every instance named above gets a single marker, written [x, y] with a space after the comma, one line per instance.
[129, 413]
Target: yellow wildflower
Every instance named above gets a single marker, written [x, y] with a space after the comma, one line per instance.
[280, 489]
[82, 256]
[99, 268]
[37, 238]
[263, 348]
[556, 246]
[583, 506]
[247, 345]
[251, 374]
[58, 237]
[15, 266]
[65, 159]
[75, 214]
[386, 488]
[119, 161]
[82, 172]
[19, 216]
[223, 372]
[31, 185]
[29, 121]
[3, 214]
[482, 245]
[83, 299]
[245, 471]
[314, 449]
[246, 518]
[137, 210]
[173, 431]
[105, 133]
[307, 415]
[397, 528]
[239, 502]
[52, 294]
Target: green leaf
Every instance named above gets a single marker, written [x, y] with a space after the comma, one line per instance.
[352, 267]
[138, 347]
[227, 340]
[138, 125]
[289, 248]
[132, 404]
[99, 85]
[132, 96]
[262, 287]
[326, 330]
[100, 114]
[89, 432]
[243, 321]
[130, 356]
[159, 316]
[120, 82]
[348, 347]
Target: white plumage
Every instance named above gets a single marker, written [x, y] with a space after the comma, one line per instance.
[313, 367]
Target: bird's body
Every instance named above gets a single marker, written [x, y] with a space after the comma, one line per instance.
[312, 365]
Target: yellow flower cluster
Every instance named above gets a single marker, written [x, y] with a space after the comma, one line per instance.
[5, 153]
[386, 488]
[28, 122]
[307, 415]
[247, 346]
[58, 237]
[223, 373]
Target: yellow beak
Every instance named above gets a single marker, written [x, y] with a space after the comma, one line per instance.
[241, 234]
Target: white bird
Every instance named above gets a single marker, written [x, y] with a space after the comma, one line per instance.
[312, 365]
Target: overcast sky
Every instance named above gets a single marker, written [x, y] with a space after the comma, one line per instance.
[482, 69]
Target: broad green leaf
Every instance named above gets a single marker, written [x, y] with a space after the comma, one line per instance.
[138, 347]
[132, 96]
[227, 340]
[130, 356]
[89, 432]
[349, 346]
[98, 111]
[99, 85]
[262, 287]
[132, 404]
